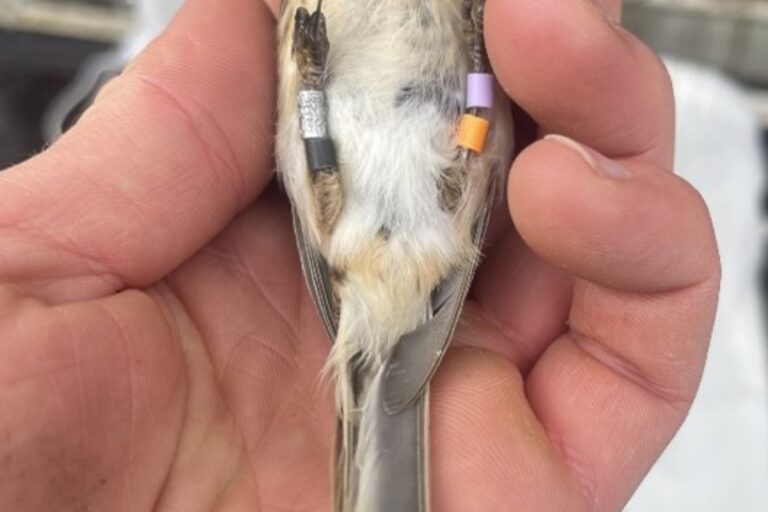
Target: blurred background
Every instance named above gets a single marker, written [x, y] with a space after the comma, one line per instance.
[54, 55]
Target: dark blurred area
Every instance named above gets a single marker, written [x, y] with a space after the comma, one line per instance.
[42, 46]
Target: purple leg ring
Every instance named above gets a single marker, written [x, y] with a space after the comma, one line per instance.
[480, 90]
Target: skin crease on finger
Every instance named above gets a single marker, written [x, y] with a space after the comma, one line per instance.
[200, 392]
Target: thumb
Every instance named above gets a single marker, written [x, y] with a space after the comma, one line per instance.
[172, 149]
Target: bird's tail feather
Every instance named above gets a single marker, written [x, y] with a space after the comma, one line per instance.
[382, 457]
[346, 435]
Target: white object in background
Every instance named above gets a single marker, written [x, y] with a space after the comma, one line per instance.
[151, 17]
[719, 459]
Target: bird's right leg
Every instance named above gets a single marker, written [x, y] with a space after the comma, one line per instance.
[310, 51]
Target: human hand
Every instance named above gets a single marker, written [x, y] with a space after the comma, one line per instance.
[158, 349]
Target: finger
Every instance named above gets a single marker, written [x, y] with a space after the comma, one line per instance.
[274, 6]
[487, 449]
[612, 391]
[592, 220]
[578, 73]
[170, 151]
[520, 303]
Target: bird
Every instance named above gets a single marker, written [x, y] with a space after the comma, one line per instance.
[391, 144]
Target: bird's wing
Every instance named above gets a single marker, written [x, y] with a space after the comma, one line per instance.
[418, 353]
[317, 276]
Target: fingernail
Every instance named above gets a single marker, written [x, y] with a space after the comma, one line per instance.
[603, 166]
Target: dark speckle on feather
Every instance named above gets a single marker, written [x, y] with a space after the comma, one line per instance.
[425, 16]
[384, 233]
[444, 94]
[338, 275]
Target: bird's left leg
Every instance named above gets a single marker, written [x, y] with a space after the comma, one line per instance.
[473, 129]
[453, 182]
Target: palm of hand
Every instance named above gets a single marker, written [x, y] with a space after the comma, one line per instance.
[202, 392]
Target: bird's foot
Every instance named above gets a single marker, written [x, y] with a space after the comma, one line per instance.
[310, 46]
[474, 24]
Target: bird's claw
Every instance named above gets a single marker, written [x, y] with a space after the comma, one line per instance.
[310, 45]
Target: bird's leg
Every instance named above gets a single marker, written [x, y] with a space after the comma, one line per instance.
[474, 25]
[310, 50]
[328, 192]
[453, 180]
